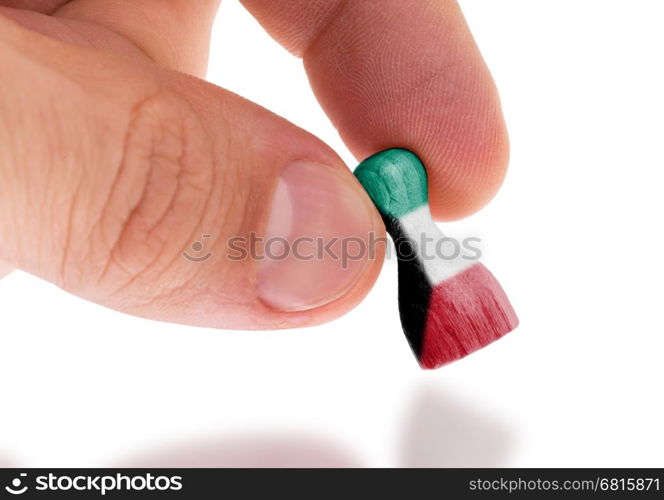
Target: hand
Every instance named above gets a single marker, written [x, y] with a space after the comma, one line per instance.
[115, 158]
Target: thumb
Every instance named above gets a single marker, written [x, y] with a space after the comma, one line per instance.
[5, 269]
[163, 196]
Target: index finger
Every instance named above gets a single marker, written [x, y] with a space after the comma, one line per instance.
[391, 73]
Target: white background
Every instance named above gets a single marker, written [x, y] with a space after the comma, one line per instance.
[575, 237]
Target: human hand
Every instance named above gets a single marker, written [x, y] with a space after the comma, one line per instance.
[114, 157]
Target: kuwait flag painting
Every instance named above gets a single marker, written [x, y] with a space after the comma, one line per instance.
[449, 307]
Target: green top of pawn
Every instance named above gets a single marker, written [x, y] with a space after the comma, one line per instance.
[395, 180]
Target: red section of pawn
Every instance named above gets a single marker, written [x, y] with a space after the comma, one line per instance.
[465, 313]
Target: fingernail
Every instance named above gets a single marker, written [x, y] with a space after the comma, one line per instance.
[316, 242]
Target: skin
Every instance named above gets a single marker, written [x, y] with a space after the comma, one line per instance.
[114, 154]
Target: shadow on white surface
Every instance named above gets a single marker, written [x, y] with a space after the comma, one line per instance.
[439, 431]
[256, 451]
[443, 431]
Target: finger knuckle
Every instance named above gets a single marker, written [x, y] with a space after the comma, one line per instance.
[159, 195]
